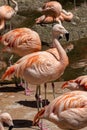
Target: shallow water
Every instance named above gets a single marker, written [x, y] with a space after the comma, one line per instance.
[78, 60]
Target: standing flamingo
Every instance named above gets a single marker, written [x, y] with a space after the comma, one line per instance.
[6, 118]
[21, 41]
[80, 83]
[53, 12]
[68, 111]
[6, 13]
[43, 66]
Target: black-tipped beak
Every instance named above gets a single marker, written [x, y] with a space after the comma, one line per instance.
[60, 37]
[10, 127]
[67, 36]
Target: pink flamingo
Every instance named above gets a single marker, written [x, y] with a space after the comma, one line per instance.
[6, 13]
[6, 118]
[21, 41]
[68, 111]
[43, 66]
[53, 12]
[80, 83]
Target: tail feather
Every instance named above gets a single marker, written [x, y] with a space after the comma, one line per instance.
[9, 73]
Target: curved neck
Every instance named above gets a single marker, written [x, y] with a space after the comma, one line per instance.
[2, 24]
[16, 5]
[66, 15]
[1, 126]
[61, 51]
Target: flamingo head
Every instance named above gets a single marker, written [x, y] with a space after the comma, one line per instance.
[59, 31]
[72, 85]
[38, 116]
[6, 118]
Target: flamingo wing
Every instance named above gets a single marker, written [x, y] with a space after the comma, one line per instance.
[74, 118]
[21, 41]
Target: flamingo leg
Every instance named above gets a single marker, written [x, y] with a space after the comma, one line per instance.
[45, 86]
[39, 102]
[53, 88]
[27, 89]
[75, 4]
[38, 97]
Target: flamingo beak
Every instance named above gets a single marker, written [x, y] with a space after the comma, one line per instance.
[67, 36]
[36, 121]
[60, 37]
[10, 127]
[67, 84]
[64, 85]
[38, 117]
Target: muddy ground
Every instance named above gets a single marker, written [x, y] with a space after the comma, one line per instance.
[23, 108]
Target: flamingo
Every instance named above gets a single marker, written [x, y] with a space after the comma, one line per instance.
[43, 66]
[68, 111]
[80, 83]
[6, 13]
[21, 41]
[6, 118]
[52, 12]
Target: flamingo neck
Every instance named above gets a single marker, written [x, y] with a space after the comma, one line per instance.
[61, 51]
[67, 16]
[16, 5]
[52, 118]
[2, 24]
[1, 126]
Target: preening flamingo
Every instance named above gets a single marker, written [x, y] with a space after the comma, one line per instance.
[6, 118]
[21, 41]
[80, 83]
[52, 12]
[6, 13]
[43, 66]
[68, 111]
